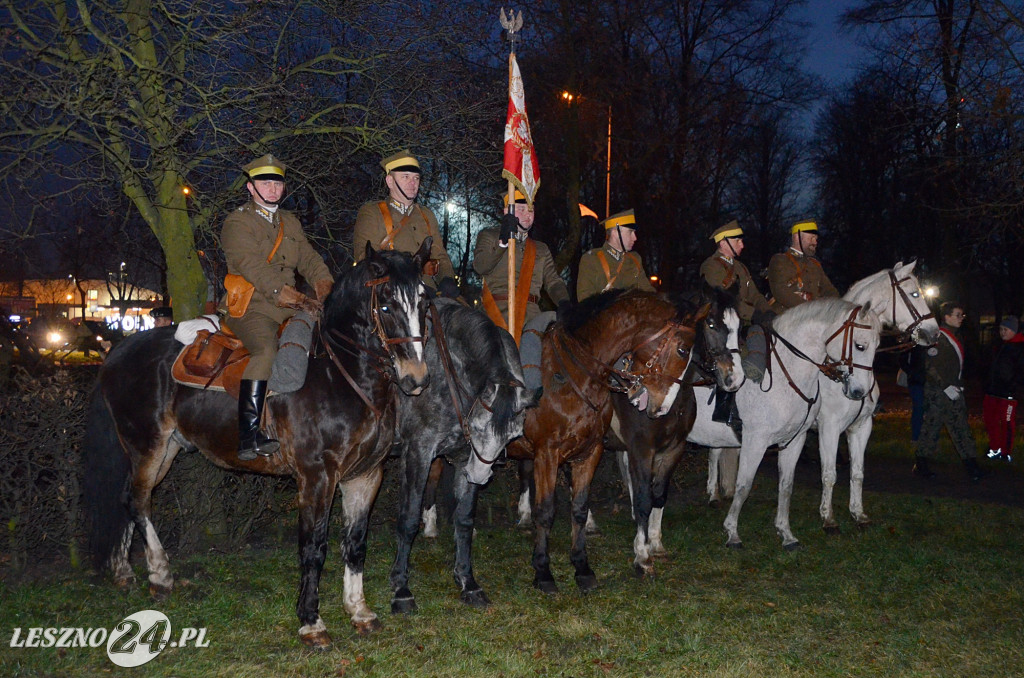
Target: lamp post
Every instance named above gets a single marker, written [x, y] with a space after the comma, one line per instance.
[568, 97]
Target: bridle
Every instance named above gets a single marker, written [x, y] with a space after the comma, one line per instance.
[706, 361]
[625, 380]
[383, 362]
[904, 339]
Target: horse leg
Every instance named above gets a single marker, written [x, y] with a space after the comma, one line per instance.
[466, 494]
[639, 473]
[665, 463]
[316, 494]
[857, 440]
[545, 476]
[582, 474]
[148, 474]
[357, 497]
[416, 469]
[751, 455]
[713, 455]
[728, 463]
[526, 491]
[788, 457]
[429, 499]
[828, 450]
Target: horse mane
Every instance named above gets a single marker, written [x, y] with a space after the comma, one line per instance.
[833, 310]
[858, 286]
[350, 287]
[582, 312]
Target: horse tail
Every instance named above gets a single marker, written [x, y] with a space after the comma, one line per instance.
[106, 471]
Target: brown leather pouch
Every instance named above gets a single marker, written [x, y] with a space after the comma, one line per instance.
[209, 353]
[431, 267]
[239, 293]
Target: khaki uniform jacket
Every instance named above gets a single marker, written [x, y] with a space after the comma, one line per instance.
[721, 273]
[795, 278]
[490, 261]
[942, 368]
[591, 280]
[247, 238]
[370, 226]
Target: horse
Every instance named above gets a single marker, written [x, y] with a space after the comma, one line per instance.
[896, 296]
[649, 450]
[782, 408]
[335, 432]
[475, 405]
[579, 358]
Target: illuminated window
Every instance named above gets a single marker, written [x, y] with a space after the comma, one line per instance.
[94, 294]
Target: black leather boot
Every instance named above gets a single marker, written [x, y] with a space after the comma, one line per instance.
[725, 411]
[251, 441]
[921, 469]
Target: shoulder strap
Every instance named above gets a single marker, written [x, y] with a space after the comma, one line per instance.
[604, 265]
[277, 243]
[389, 226]
[730, 274]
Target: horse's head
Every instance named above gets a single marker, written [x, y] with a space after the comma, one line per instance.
[657, 363]
[896, 296]
[717, 345]
[495, 418]
[383, 299]
[856, 342]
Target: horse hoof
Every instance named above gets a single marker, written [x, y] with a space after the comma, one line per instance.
[714, 503]
[125, 583]
[476, 598]
[547, 586]
[830, 529]
[404, 605]
[586, 583]
[792, 546]
[864, 523]
[643, 571]
[159, 592]
[317, 640]
[365, 628]
[734, 545]
[593, 532]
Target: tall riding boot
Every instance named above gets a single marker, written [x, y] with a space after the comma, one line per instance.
[251, 441]
[725, 411]
[973, 470]
[756, 357]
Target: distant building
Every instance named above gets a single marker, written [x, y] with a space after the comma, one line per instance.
[117, 303]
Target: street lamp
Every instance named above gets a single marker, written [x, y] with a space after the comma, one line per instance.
[568, 98]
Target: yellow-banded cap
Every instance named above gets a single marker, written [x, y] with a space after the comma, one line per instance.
[730, 230]
[520, 198]
[627, 219]
[403, 161]
[267, 167]
[804, 227]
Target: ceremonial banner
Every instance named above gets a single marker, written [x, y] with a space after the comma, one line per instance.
[520, 158]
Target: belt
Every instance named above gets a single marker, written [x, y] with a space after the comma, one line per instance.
[504, 297]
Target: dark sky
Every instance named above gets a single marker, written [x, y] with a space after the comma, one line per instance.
[831, 54]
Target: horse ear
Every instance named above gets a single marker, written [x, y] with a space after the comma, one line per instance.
[423, 253]
[370, 252]
[702, 312]
[902, 270]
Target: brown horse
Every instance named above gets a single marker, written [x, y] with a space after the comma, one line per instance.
[335, 431]
[631, 342]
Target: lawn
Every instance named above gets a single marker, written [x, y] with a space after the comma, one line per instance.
[932, 588]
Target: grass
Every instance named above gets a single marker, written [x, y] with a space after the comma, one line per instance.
[933, 588]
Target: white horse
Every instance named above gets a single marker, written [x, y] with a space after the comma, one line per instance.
[896, 296]
[779, 411]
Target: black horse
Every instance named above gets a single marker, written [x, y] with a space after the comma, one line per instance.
[475, 404]
[336, 431]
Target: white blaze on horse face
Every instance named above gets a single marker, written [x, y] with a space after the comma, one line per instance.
[411, 312]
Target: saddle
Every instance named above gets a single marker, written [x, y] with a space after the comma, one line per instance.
[215, 360]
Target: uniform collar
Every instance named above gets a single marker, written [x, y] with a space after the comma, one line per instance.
[796, 253]
[399, 207]
[614, 253]
[263, 211]
[726, 259]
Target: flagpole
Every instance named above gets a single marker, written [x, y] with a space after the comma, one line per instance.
[511, 249]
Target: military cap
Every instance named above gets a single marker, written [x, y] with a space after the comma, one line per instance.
[805, 226]
[730, 230]
[520, 198]
[266, 168]
[162, 312]
[403, 161]
[627, 219]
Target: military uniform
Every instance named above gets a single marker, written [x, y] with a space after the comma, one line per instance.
[795, 278]
[490, 261]
[722, 272]
[606, 268]
[944, 377]
[247, 239]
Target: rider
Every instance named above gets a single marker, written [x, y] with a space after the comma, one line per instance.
[615, 265]
[535, 269]
[796, 276]
[264, 247]
[724, 270]
[400, 223]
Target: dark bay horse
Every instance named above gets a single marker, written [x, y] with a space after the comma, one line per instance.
[335, 432]
[579, 365]
[474, 405]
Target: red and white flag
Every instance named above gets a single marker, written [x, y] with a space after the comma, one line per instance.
[520, 157]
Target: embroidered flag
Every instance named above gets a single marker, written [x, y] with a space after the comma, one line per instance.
[520, 158]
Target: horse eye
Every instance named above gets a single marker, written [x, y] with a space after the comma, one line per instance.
[681, 351]
[860, 347]
[915, 294]
[385, 309]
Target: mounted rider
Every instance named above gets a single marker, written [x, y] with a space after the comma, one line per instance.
[264, 248]
[400, 223]
[796, 276]
[614, 265]
[535, 269]
[724, 270]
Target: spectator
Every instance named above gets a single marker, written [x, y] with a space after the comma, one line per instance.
[1002, 389]
[162, 316]
[944, 402]
[913, 364]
